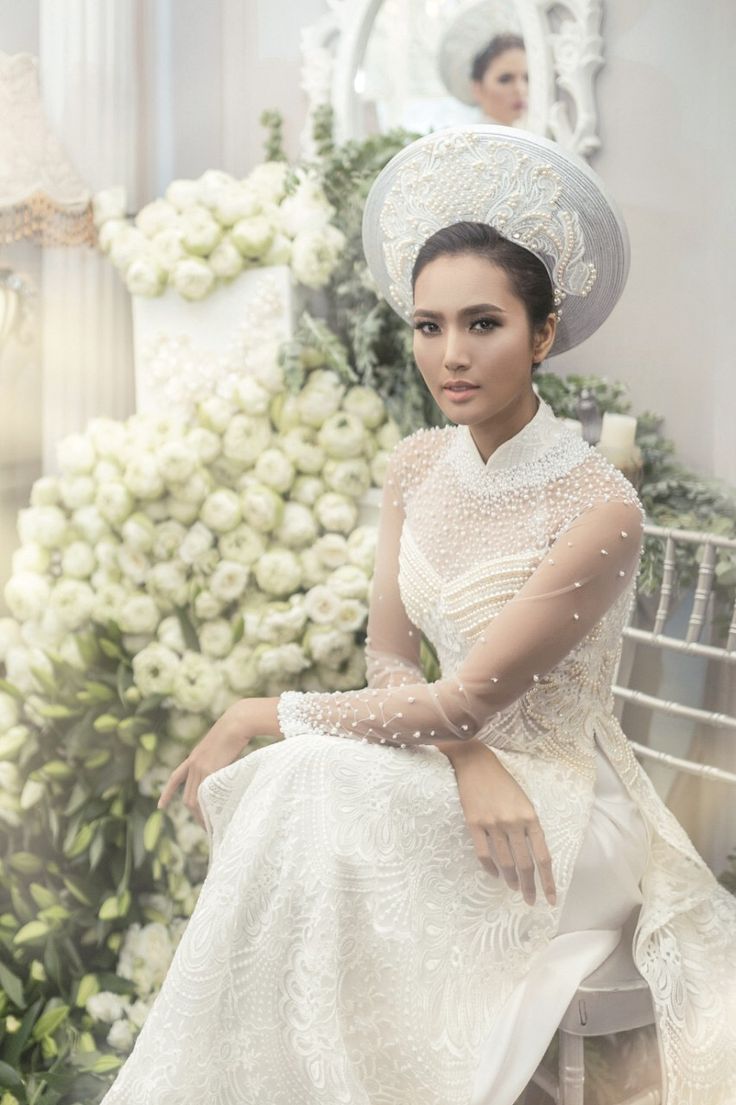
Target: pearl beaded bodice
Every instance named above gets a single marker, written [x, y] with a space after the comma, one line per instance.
[520, 570]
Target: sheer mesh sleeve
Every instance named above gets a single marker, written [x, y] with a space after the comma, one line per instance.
[583, 573]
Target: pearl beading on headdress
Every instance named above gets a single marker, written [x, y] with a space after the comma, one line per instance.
[464, 176]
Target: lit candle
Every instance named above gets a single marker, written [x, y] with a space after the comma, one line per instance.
[618, 432]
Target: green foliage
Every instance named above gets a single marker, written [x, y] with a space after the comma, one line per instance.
[273, 145]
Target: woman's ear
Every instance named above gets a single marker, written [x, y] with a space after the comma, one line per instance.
[544, 337]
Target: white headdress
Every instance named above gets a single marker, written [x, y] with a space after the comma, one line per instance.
[530, 189]
[470, 31]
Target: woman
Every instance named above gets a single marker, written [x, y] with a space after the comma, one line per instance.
[499, 80]
[347, 944]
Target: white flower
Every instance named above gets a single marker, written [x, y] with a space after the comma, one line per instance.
[307, 489]
[235, 202]
[170, 634]
[336, 512]
[182, 511]
[342, 435]
[18, 664]
[142, 476]
[114, 501]
[76, 454]
[362, 548]
[139, 1010]
[134, 564]
[321, 605]
[121, 1036]
[332, 550]
[109, 598]
[138, 532]
[251, 397]
[196, 544]
[182, 193]
[282, 621]
[69, 650]
[352, 615]
[274, 469]
[241, 670]
[242, 544]
[228, 580]
[284, 411]
[167, 247]
[167, 583]
[109, 203]
[45, 525]
[206, 605]
[167, 538]
[366, 404]
[216, 638]
[203, 444]
[106, 1005]
[349, 582]
[195, 489]
[279, 660]
[279, 252]
[262, 507]
[156, 216]
[145, 276]
[108, 232]
[138, 614]
[253, 236]
[184, 726]
[268, 180]
[300, 448]
[278, 572]
[145, 956]
[154, 668]
[388, 435]
[31, 557]
[77, 491]
[306, 209]
[90, 523]
[314, 255]
[221, 510]
[78, 560]
[212, 184]
[226, 259]
[297, 527]
[196, 682]
[216, 413]
[45, 491]
[126, 245]
[351, 476]
[201, 231]
[9, 635]
[348, 676]
[246, 437]
[316, 404]
[192, 277]
[327, 645]
[9, 712]
[313, 571]
[109, 437]
[263, 365]
[379, 467]
[26, 595]
[72, 601]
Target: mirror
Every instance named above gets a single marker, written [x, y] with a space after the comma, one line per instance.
[425, 64]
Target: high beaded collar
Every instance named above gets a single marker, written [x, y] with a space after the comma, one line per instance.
[540, 432]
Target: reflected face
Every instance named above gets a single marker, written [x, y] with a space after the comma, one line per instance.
[503, 92]
[469, 325]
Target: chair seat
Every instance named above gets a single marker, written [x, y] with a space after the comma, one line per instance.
[614, 997]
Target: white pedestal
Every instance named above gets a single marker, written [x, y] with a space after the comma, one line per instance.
[186, 351]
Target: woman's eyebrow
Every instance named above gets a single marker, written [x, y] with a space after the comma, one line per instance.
[465, 310]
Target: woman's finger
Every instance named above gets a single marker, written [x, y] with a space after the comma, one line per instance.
[172, 783]
[543, 860]
[482, 849]
[504, 859]
[519, 849]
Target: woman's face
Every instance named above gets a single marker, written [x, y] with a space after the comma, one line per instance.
[470, 326]
[504, 89]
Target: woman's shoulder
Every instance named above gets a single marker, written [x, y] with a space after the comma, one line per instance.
[594, 480]
[415, 455]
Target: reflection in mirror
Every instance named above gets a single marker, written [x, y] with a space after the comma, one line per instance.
[435, 63]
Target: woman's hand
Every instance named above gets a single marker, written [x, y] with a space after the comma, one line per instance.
[222, 744]
[502, 821]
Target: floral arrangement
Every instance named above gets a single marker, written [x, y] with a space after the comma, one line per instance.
[204, 232]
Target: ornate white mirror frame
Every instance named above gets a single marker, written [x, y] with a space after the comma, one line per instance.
[563, 44]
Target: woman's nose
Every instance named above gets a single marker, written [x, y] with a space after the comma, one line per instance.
[455, 354]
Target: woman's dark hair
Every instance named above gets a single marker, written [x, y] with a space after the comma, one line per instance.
[527, 275]
[499, 44]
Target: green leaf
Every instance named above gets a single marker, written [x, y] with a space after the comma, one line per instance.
[188, 631]
[32, 933]
[11, 689]
[12, 986]
[47, 1024]
[10, 1079]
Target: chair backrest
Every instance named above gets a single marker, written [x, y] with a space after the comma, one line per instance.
[676, 542]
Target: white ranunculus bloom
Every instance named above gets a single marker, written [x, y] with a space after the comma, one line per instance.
[206, 605]
[278, 572]
[213, 183]
[321, 605]
[349, 582]
[196, 681]
[73, 602]
[145, 276]
[30, 557]
[351, 476]
[138, 532]
[362, 548]
[336, 512]
[316, 404]
[167, 583]
[90, 523]
[156, 216]
[202, 232]
[246, 437]
[78, 560]
[268, 180]
[76, 454]
[77, 491]
[154, 669]
[366, 404]
[45, 491]
[328, 645]
[108, 232]
[106, 552]
[286, 659]
[332, 550]
[274, 469]
[236, 202]
[352, 615]
[220, 511]
[216, 413]
[297, 528]
[215, 638]
[241, 670]
[253, 236]
[198, 541]
[263, 364]
[107, 1006]
[351, 675]
[314, 255]
[108, 436]
[142, 476]
[138, 614]
[313, 570]
[145, 956]
[203, 444]
[182, 511]
[182, 725]
[307, 489]
[342, 435]
[302, 450]
[26, 595]
[279, 251]
[167, 247]
[379, 467]
[126, 246]
[284, 412]
[69, 650]
[195, 489]
[175, 461]
[283, 621]
[168, 536]
[251, 397]
[192, 277]
[170, 634]
[229, 579]
[226, 259]
[121, 1036]
[262, 507]
[109, 597]
[9, 712]
[307, 209]
[46, 525]
[109, 203]
[244, 545]
[114, 501]
[182, 193]
[388, 435]
[9, 635]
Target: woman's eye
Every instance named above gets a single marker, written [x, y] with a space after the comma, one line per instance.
[420, 326]
[487, 323]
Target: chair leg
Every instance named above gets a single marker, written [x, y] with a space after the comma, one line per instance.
[571, 1069]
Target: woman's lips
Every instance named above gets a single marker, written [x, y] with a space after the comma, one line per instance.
[461, 393]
